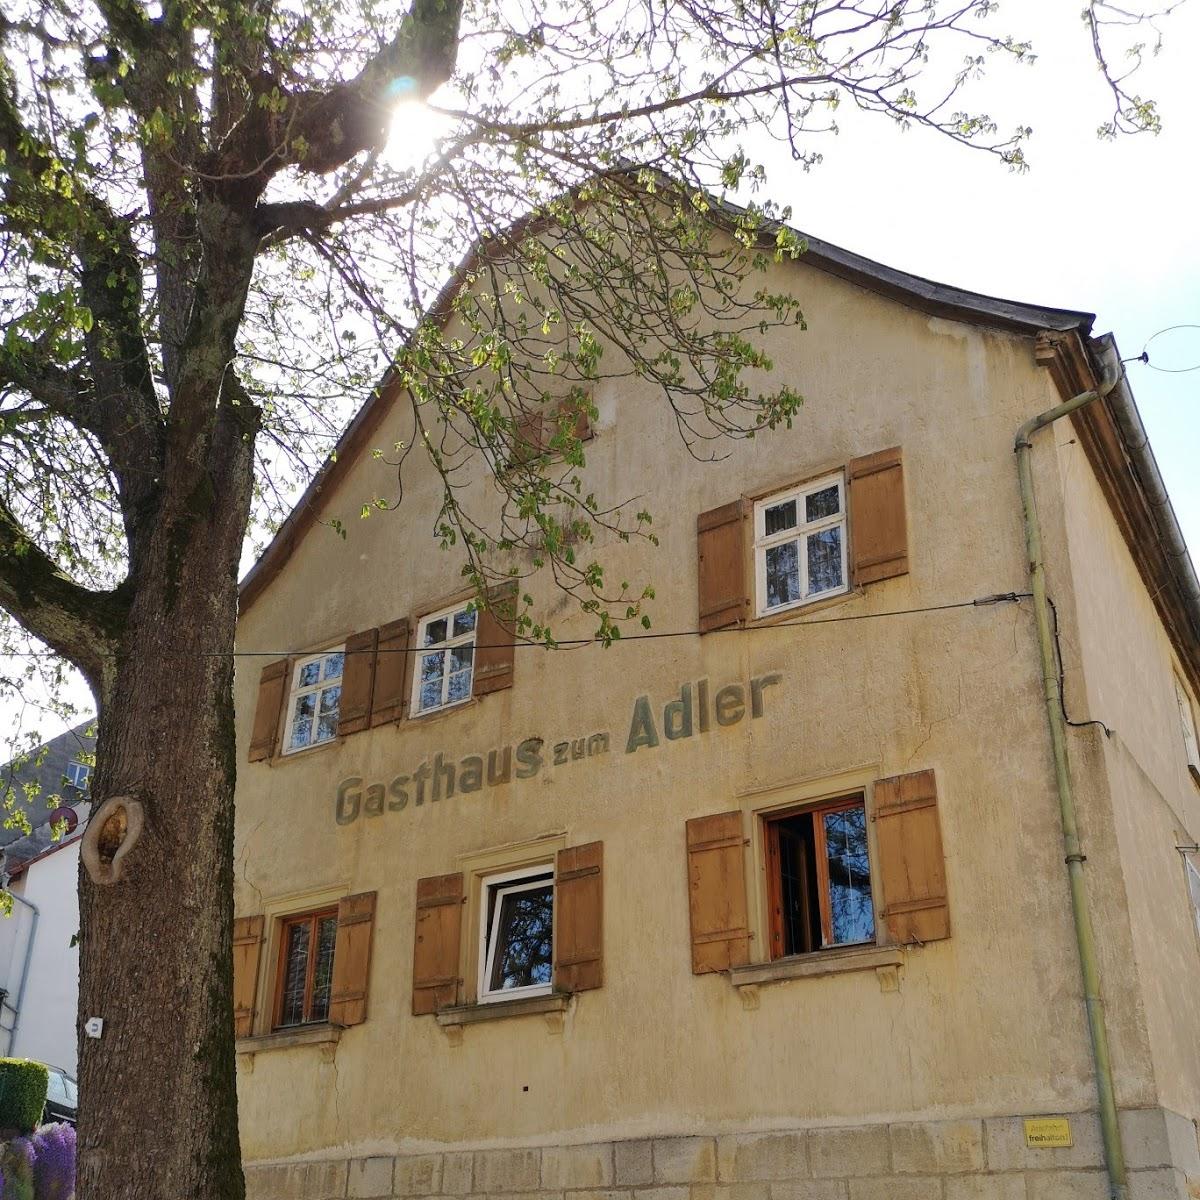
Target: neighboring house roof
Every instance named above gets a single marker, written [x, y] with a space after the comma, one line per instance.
[1115, 445]
[16, 864]
[43, 771]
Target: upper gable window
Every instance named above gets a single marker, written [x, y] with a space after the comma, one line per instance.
[446, 659]
[315, 698]
[78, 775]
[800, 545]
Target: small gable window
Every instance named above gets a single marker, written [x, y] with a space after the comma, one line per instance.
[445, 659]
[315, 700]
[78, 775]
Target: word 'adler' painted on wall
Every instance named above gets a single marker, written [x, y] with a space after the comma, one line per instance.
[696, 709]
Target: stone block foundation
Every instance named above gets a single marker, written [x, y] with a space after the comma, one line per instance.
[968, 1159]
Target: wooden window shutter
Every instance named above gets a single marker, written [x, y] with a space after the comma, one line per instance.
[579, 918]
[272, 694]
[358, 683]
[582, 421]
[436, 945]
[495, 642]
[247, 945]
[878, 527]
[721, 552]
[912, 868]
[352, 959]
[583, 425]
[528, 437]
[390, 682]
[717, 892]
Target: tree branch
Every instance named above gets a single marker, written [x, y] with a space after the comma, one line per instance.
[123, 412]
[82, 625]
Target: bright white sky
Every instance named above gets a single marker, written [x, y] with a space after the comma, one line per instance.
[1106, 227]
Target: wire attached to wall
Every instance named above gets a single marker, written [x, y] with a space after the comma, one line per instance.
[1062, 693]
[1144, 357]
[578, 643]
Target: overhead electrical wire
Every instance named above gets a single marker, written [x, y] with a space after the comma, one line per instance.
[1144, 357]
[981, 602]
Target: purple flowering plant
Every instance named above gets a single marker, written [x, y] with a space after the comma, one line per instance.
[40, 1166]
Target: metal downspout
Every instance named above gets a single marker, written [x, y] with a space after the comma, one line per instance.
[1114, 1155]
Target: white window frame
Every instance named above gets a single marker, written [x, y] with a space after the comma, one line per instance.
[74, 768]
[524, 879]
[296, 691]
[798, 533]
[450, 643]
[1187, 721]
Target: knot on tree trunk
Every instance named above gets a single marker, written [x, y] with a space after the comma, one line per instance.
[112, 832]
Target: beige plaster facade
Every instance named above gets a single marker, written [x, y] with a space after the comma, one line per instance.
[883, 1071]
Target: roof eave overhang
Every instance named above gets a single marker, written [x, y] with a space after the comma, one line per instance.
[1112, 437]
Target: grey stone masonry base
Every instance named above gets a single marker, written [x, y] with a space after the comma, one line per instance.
[971, 1159]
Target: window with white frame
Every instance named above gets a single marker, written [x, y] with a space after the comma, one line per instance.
[315, 698]
[446, 649]
[1187, 719]
[800, 545]
[78, 775]
[516, 934]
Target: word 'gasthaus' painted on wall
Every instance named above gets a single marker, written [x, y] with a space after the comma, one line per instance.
[442, 778]
[694, 710]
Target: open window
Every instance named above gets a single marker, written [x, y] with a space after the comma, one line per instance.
[818, 878]
[534, 929]
[516, 935]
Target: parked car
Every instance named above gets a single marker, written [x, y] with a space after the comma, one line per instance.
[62, 1097]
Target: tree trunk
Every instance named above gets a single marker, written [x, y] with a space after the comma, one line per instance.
[159, 1113]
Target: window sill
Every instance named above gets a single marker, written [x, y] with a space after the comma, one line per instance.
[286, 756]
[283, 1039]
[430, 715]
[798, 611]
[469, 1014]
[823, 962]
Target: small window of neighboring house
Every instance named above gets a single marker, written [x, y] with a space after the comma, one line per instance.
[78, 775]
[818, 878]
[1187, 719]
[516, 935]
[1193, 880]
[314, 701]
[305, 975]
[446, 659]
[800, 545]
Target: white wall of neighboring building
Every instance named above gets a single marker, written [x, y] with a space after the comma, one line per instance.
[43, 1027]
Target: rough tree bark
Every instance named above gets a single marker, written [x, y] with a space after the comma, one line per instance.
[158, 1115]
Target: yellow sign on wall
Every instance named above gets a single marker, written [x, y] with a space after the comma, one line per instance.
[1048, 1133]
